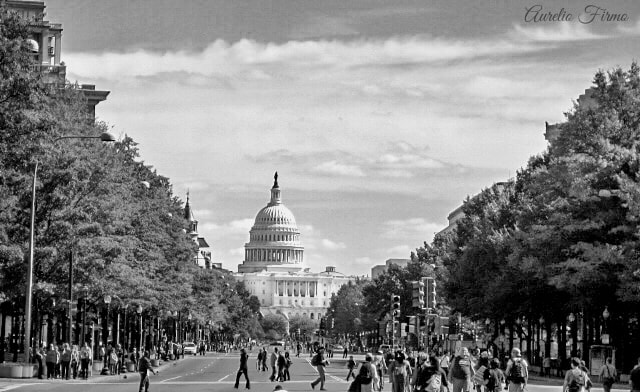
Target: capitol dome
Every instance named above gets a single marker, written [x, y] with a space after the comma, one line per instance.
[274, 239]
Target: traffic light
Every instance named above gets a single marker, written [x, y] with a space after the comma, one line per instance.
[323, 323]
[395, 305]
[417, 293]
[430, 285]
[298, 331]
[333, 322]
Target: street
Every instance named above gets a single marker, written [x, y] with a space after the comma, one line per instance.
[217, 372]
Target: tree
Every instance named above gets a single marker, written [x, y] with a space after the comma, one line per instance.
[345, 308]
[274, 326]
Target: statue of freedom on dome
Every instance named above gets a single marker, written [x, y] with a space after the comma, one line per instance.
[275, 182]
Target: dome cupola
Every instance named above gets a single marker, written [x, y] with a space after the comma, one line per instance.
[274, 239]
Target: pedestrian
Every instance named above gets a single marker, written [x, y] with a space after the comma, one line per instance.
[52, 357]
[444, 362]
[75, 361]
[298, 349]
[287, 365]
[575, 379]
[608, 375]
[380, 365]
[65, 358]
[264, 359]
[274, 366]
[634, 378]
[482, 364]
[546, 365]
[144, 367]
[366, 379]
[351, 365]
[259, 360]
[244, 357]
[517, 371]
[281, 364]
[319, 362]
[399, 372]
[493, 377]
[461, 371]
[429, 375]
[113, 360]
[40, 357]
[86, 356]
[345, 352]
[133, 357]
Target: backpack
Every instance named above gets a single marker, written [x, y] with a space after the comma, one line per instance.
[315, 361]
[435, 382]
[364, 374]
[576, 383]
[517, 374]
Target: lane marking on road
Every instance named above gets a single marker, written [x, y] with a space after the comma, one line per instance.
[168, 379]
[222, 379]
[10, 387]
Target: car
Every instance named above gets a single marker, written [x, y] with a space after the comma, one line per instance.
[337, 348]
[189, 348]
[279, 344]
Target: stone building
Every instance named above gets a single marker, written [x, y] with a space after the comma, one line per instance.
[272, 269]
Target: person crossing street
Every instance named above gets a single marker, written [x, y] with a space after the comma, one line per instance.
[244, 357]
[144, 367]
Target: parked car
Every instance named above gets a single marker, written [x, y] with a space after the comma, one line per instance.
[337, 348]
[189, 348]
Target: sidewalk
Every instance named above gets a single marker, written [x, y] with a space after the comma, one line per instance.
[7, 383]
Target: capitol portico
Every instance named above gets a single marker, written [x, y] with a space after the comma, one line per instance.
[272, 269]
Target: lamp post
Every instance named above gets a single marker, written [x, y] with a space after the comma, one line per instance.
[139, 311]
[605, 316]
[105, 331]
[105, 137]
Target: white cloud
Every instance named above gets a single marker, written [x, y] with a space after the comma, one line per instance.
[248, 57]
[340, 169]
[633, 30]
[412, 228]
[331, 245]
[237, 252]
[366, 261]
[557, 32]
[400, 251]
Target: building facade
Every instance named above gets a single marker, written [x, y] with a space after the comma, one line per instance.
[380, 269]
[203, 258]
[272, 269]
[46, 48]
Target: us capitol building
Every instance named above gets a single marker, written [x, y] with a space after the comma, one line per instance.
[272, 268]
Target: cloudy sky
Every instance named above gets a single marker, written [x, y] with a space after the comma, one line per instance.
[379, 116]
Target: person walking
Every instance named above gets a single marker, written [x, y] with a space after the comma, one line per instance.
[351, 365]
[461, 371]
[281, 364]
[65, 358]
[85, 360]
[40, 357]
[444, 362]
[608, 375]
[274, 366]
[493, 377]
[319, 362]
[244, 357]
[399, 373]
[75, 361]
[53, 356]
[517, 371]
[575, 379]
[144, 367]
[264, 359]
[287, 364]
[429, 376]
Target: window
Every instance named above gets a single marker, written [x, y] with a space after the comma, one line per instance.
[262, 291]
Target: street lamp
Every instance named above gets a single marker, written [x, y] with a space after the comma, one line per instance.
[105, 332]
[139, 311]
[105, 137]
